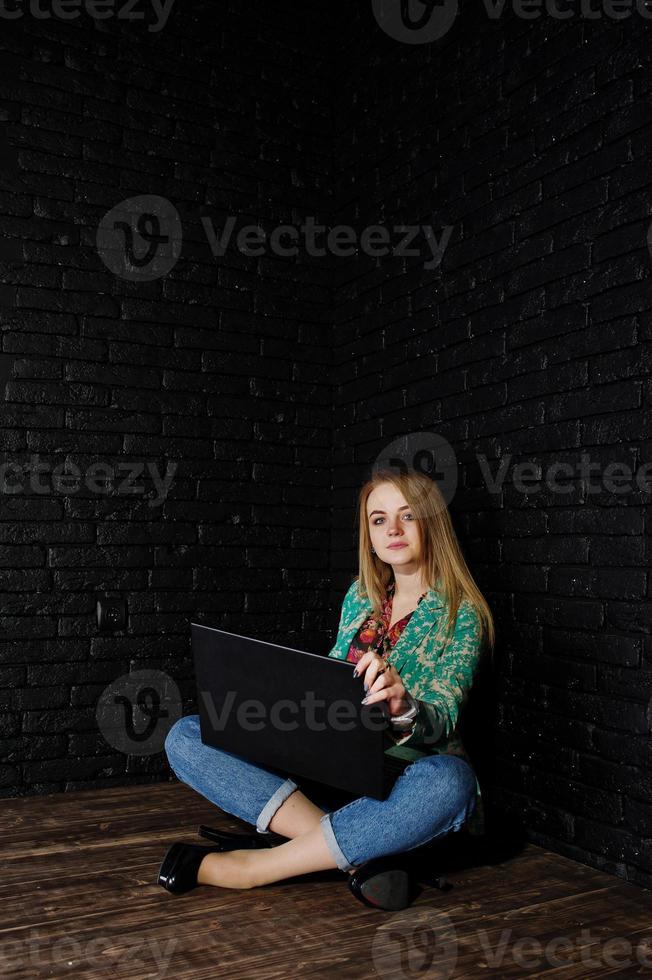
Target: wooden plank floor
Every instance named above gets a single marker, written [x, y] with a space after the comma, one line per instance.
[78, 898]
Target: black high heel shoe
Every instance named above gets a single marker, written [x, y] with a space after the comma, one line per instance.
[179, 868]
[240, 841]
[384, 883]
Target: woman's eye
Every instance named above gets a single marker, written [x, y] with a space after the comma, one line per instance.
[379, 520]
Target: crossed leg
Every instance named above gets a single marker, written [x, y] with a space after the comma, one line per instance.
[297, 818]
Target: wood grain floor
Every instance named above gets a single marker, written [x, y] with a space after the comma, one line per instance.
[78, 898]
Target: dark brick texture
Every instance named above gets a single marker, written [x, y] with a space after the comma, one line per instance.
[273, 383]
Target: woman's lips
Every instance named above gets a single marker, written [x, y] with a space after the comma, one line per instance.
[397, 546]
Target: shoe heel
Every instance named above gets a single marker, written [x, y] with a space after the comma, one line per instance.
[236, 841]
[391, 888]
[209, 833]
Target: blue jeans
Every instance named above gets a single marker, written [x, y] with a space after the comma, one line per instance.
[432, 797]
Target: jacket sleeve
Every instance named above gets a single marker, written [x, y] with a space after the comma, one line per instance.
[344, 613]
[427, 727]
[449, 683]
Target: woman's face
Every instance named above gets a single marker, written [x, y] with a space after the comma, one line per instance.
[393, 528]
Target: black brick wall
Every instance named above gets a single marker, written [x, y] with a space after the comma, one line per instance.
[268, 380]
[532, 341]
[221, 367]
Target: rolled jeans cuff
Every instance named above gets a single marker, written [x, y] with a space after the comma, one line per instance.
[273, 804]
[338, 855]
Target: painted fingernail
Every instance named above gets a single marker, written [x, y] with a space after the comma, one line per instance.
[364, 701]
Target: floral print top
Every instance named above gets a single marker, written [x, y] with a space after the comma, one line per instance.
[376, 633]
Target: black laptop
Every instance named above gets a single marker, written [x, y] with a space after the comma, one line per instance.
[291, 711]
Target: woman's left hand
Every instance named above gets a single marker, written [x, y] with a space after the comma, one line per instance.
[387, 686]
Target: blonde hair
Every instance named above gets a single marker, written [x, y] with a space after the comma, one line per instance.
[443, 562]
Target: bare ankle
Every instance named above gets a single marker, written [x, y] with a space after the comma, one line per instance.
[231, 869]
[297, 815]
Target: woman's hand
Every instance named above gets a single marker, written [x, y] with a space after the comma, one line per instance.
[387, 686]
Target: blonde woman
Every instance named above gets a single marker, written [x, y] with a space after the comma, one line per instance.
[414, 623]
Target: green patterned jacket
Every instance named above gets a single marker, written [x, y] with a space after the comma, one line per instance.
[439, 675]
